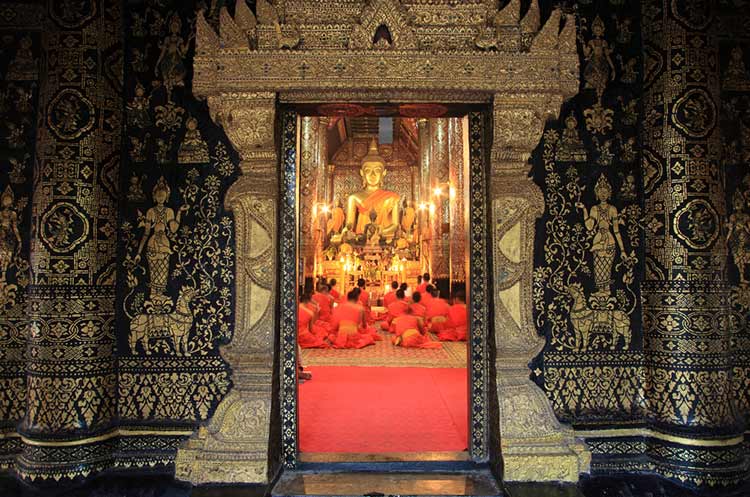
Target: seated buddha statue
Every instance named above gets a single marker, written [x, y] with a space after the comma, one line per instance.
[384, 203]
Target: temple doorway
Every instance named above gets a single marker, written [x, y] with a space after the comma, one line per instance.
[383, 276]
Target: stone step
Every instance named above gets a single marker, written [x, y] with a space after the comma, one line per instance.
[475, 483]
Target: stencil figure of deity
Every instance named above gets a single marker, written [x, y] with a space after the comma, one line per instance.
[171, 63]
[600, 69]
[10, 237]
[159, 225]
[738, 236]
[604, 221]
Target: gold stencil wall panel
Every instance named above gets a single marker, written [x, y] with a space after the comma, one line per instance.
[175, 294]
[589, 254]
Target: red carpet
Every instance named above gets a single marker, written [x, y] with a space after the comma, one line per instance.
[375, 410]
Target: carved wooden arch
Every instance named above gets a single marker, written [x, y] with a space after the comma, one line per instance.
[525, 86]
[389, 13]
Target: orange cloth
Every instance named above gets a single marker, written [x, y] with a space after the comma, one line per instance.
[325, 304]
[408, 334]
[335, 294]
[455, 328]
[305, 337]
[419, 310]
[389, 298]
[422, 288]
[381, 201]
[348, 320]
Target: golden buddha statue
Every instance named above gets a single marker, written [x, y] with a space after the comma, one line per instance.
[384, 203]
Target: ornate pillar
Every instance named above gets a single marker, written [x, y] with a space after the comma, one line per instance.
[69, 426]
[310, 216]
[457, 202]
[234, 447]
[425, 228]
[535, 446]
[687, 329]
[439, 171]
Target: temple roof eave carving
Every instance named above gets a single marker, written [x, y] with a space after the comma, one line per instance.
[239, 70]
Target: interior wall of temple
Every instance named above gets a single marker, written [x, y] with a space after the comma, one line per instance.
[605, 167]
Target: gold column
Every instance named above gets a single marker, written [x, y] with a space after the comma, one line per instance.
[310, 216]
[458, 240]
[439, 174]
[535, 446]
[425, 229]
[234, 445]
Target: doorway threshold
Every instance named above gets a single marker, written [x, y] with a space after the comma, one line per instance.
[364, 483]
[339, 457]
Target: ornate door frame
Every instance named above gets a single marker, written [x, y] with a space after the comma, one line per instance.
[521, 71]
[478, 366]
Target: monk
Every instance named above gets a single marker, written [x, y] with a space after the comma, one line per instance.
[427, 294]
[348, 318]
[417, 308]
[309, 334]
[407, 293]
[422, 287]
[364, 299]
[324, 301]
[437, 312]
[395, 310]
[334, 293]
[410, 332]
[390, 297]
[455, 329]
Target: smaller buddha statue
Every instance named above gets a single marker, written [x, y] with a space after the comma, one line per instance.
[408, 217]
[24, 66]
[193, 149]
[372, 231]
[336, 222]
[571, 148]
[373, 197]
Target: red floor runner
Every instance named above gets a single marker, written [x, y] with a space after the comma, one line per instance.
[375, 410]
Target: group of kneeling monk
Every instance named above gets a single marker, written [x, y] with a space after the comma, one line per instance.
[326, 319]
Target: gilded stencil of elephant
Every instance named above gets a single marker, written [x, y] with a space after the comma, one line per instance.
[585, 319]
[174, 325]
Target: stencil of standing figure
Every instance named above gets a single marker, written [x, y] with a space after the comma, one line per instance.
[604, 221]
[171, 63]
[159, 225]
[600, 69]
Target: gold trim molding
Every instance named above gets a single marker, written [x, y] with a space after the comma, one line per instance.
[310, 51]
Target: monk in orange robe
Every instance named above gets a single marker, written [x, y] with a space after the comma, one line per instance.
[309, 334]
[417, 308]
[410, 332]
[324, 301]
[396, 309]
[390, 297]
[427, 295]
[348, 319]
[334, 293]
[422, 286]
[364, 299]
[455, 329]
[437, 313]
